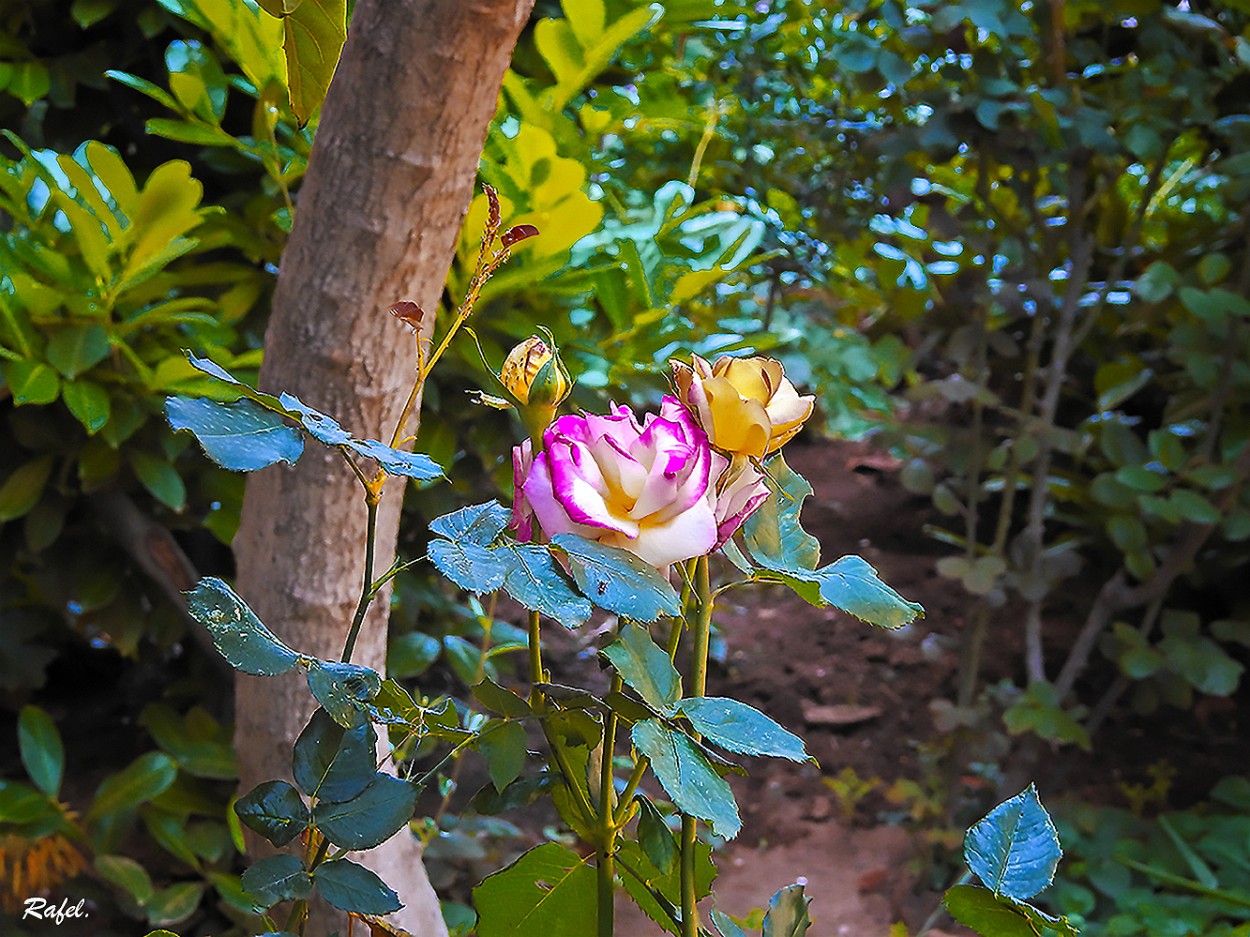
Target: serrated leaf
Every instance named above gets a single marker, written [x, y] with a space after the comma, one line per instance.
[240, 436]
[371, 817]
[534, 580]
[645, 667]
[277, 878]
[773, 535]
[999, 916]
[726, 925]
[1014, 849]
[351, 887]
[415, 465]
[504, 748]
[501, 700]
[331, 762]
[213, 369]
[237, 633]
[470, 566]
[550, 891]
[655, 838]
[41, 749]
[688, 777]
[477, 523]
[787, 913]
[326, 430]
[275, 810]
[342, 689]
[852, 585]
[658, 895]
[735, 726]
[617, 580]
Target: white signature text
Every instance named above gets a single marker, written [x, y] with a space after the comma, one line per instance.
[43, 910]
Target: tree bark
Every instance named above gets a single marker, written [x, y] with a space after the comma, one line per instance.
[389, 180]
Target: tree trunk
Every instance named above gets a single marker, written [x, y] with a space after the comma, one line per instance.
[388, 183]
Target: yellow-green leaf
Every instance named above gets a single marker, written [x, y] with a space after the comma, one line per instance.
[313, 37]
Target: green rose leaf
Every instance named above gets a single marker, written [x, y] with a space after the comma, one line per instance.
[994, 915]
[534, 580]
[550, 891]
[617, 580]
[478, 523]
[236, 631]
[787, 913]
[469, 565]
[351, 887]
[501, 700]
[1014, 849]
[726, 925]
[277, 878]
[331, 762]
[852, 585]
[275, 810]
[658, 895]
[504, 748]
[371, 817]
[656, 838]
[213, 369]
[240, 436]
[645, 667]
[741, 728]
[342, 689]
[688, 777]
[773, 535]
[43, 754]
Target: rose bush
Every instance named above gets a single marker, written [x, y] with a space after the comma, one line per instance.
[745, 405]
[655, 488]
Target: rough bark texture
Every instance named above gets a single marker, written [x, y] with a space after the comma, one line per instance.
[390, 178]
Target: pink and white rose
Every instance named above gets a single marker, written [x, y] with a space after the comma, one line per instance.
[655, 488]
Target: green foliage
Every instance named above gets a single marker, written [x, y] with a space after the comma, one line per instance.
[1014, 850]
[549, 890]
[42, 752]
[1180, 872]
[236, 631]
[688, 776]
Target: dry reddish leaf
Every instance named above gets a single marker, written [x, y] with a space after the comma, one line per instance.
[518, 233]
[409, 313]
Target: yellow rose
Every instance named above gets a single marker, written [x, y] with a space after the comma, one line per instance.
[745, 405]
[527, 378]
[536, 380]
